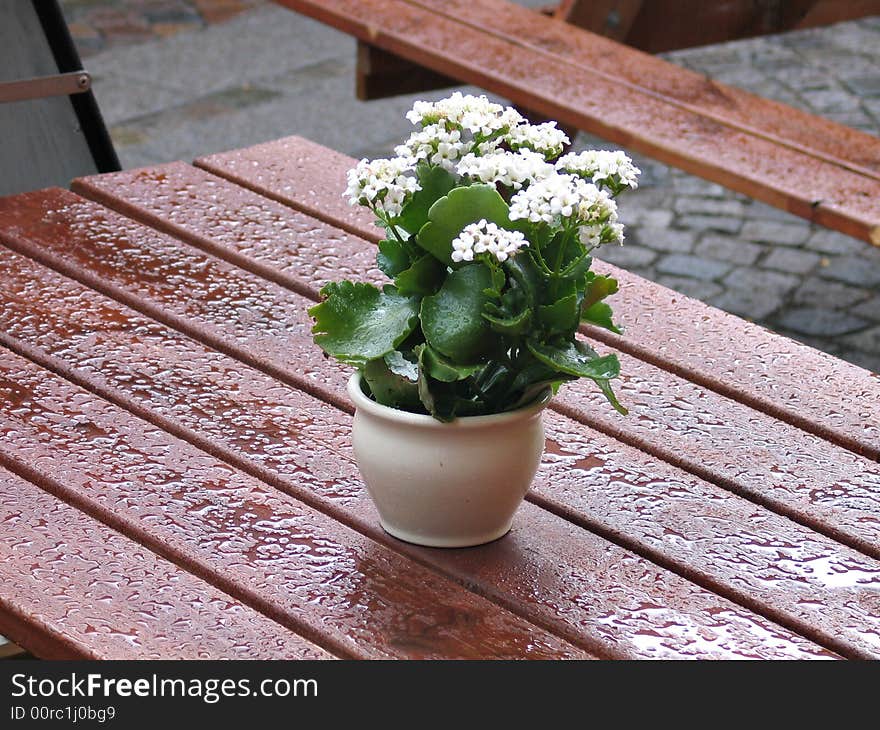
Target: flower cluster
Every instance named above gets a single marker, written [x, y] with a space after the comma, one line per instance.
[382, 185]
[614, 169]
[545, 139]
[561, 200]
[511, 169]
[435, 145]
[484, 237]
[476, 114]
[477, 140]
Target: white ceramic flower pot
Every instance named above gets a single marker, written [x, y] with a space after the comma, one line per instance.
[446, 484]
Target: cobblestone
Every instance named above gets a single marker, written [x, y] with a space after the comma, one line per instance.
[729, 248]
[725, 224]
[818, 321]
[853, 270]
[665, 239]
[629, 256]
[711, 206]
[775, 232]
[773, 281]
[694, 267]
[695, 288]
[751, 303]
[869, 309]
[181, 78]
[833, 295]
[791, 260]
[828, 241]
[867, 341]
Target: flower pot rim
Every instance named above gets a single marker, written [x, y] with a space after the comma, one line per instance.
[365, 403]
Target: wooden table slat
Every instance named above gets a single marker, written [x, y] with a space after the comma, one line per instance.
[796, 473]
[282, 434]
[800, 183]
[795, 383]
[75, 589]
[301, 568]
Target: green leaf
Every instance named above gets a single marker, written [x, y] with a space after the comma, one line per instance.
[561, 317]
[394, 385]
[435, 182]
[422, 278]
[392, 257]
[357, 323]
[399, 365]
[510, 326]
[455, 210]
[452, 319]
[605, 386]
[600, 314]
[526, 276]
[597, 288]
[439, 368]
[576, 358]
[577, 268]
[532, 392]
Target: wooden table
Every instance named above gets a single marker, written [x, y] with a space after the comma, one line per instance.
[177, 477]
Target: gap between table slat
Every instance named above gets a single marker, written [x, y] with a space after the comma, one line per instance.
[534, 532]
[797, 456]
[98, 595]
[95, 227]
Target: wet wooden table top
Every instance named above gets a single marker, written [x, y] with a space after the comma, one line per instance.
[177, 478]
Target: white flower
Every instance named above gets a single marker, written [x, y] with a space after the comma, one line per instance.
[549, 200]
[511, 169]
[434, 144]
[384, 185]
[485, 237]
[601, 166]
[567, 199]
[544, 139]
[476, 114]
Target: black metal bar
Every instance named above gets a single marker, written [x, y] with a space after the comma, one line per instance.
[84, 105]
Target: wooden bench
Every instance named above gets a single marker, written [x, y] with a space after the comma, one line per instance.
[809, 166]
[164, 309]
[665, 25]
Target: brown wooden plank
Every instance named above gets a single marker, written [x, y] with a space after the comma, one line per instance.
[801, 183]
[665, 25]
[301, 568]
[74, 588]
[232, 310]
[676, 85]
[797, 384]
[281, 434]
[791, 471]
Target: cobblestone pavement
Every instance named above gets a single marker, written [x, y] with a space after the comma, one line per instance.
[268, 72]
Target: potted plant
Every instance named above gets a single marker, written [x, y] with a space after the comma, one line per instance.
[489, 236]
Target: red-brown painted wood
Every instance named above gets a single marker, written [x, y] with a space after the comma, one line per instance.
[593, 54]
[294, 564]
[796, 473]
[282, 435]
[75, 589]
[801, 183]
[232, 310]
[797, 384]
